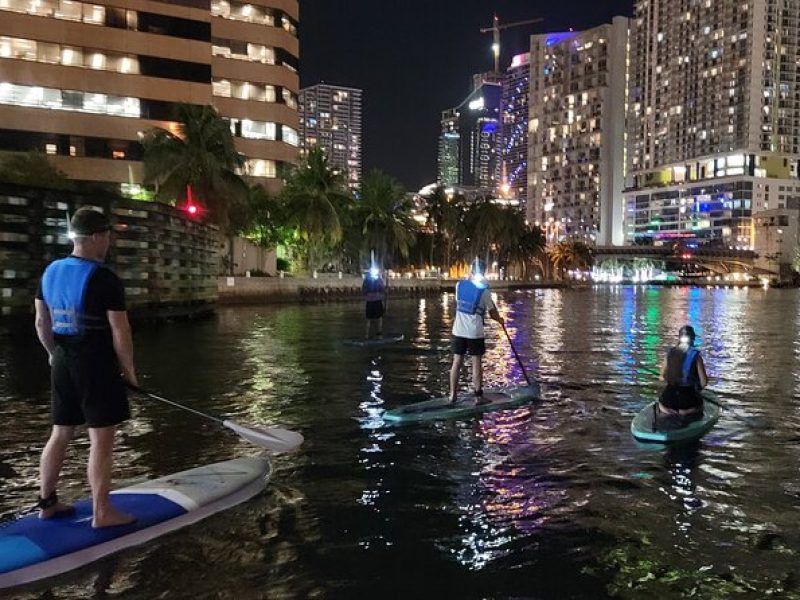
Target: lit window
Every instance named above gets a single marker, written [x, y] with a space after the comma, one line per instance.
[289, 136]
[117, 154]
[51, 149]
[221, 88]
[256, 167]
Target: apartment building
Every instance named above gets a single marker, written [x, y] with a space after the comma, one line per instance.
[576, 133]
[330, 117]
[83, 81]
[713, 118]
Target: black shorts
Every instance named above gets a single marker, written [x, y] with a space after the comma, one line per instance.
[677, 397]
[87, 388]
[375, 309]
[471, 346]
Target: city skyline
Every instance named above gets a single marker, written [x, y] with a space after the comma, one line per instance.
[407, 86]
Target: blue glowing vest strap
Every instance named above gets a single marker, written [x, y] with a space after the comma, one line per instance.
[64, 286]
[688, 375]
[468, 298]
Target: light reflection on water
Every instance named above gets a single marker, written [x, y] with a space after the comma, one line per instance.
[510, 504]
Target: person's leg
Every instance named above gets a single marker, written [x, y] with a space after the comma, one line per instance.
[380, 327]
[369, 325]
[50, 464]
[458, 359]
[477, 378]
[99, 471]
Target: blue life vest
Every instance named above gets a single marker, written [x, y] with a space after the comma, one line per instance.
[468, 297]
[689, 377]
[64, 286]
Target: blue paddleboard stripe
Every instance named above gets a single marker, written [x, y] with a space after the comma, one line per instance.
[31, 540]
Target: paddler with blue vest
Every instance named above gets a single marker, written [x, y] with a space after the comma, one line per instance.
[685, 375]
[374, 290]
[82, 323]
[473, 302]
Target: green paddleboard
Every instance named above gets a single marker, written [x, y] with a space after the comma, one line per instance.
[642, 424]
[441, 408]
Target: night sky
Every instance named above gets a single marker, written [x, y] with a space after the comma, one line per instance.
[414, 58]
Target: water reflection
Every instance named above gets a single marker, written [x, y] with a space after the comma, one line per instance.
[481, 507]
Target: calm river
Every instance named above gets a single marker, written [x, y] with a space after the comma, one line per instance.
[554, 500]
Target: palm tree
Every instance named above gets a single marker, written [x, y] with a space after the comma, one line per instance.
[200, 154]
[32, 168]
[569, 254]
[437, 203]
[453, 227]
[485, 224]
[316, 199]
[384, 212]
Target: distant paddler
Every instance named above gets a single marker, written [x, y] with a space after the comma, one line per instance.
[685, 375]
[473, 302]
[374, 290]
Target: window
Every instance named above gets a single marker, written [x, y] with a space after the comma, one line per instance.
[257, 130]
[257, 167]
[50, 149]
[38, 97]
[289, 136]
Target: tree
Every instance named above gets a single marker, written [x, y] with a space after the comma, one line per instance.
[316, 200]
[384, 212]
[570, 254]
[200, 154]
[32, 168]
[436, 204]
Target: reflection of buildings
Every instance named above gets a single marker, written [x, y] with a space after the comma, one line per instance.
[82, 81]
[713, 128]
[514, 145]
[577, 120]
[330, 117]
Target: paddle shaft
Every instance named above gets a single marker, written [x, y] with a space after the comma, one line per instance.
[514, 350]
[153, 396]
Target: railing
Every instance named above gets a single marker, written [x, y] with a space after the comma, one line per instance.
[167, 262]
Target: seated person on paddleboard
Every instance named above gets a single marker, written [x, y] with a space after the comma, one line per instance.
[473, 301]
[374, 290]
[685, 375]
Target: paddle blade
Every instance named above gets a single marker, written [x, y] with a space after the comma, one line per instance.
[271, 438]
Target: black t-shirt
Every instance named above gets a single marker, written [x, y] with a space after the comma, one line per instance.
[104, 292]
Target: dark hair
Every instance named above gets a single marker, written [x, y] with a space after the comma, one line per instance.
[688, 331]
[87, 221]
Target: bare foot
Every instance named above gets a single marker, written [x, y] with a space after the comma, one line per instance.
[112, 518]
[59, 509]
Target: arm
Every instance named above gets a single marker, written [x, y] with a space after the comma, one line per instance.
[494, 314]
[664, 369]
[44, 328]
[123, 343]
[701, 372]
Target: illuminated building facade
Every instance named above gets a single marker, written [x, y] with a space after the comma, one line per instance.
[330, 117]
[713, 118]
[82, 81]
[514, 144]
[449, 157]
[479, 136]
[576, 133]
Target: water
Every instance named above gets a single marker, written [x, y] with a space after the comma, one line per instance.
[553, 500]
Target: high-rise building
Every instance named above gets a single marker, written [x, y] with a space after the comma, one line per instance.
[330, 117]
[576, 133]
[714, 118]
[514, 143]
[449, 157]
[479, 136]
[83, 81]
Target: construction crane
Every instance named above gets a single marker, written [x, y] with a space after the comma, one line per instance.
[496, 28]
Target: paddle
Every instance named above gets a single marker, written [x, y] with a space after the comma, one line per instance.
[271, 438]
[514, 350]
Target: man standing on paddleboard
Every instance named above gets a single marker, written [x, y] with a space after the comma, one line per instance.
[82, 322]
[374, 290]
[473, 301]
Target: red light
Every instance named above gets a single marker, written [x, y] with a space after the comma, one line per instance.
[191, 209]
